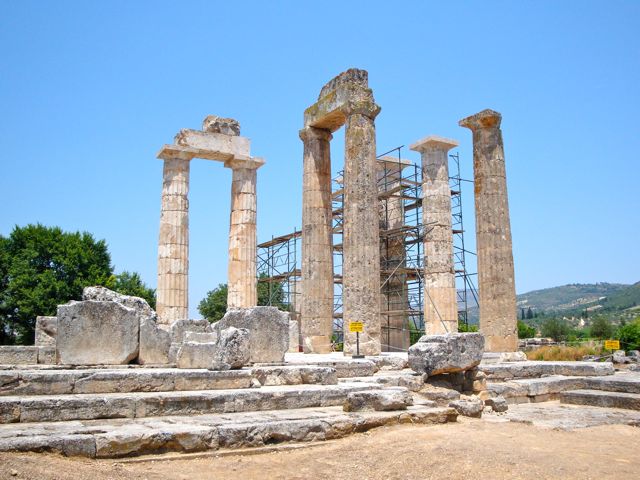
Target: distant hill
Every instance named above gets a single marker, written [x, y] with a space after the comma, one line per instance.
[579, 296]
[611, 300]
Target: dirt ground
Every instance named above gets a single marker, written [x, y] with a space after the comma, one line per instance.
[469, 449]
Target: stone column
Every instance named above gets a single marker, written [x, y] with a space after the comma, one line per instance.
[498, 321]
[317, 242]
[361, 241]
[440, 297]
[242, 281]
[394, 294]
[173, 245]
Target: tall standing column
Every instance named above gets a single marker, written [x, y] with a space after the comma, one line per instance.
[440, 297]
[242, 282]
[317, 242]
[498, 321]
[394, 294]
[361, 241]
[173, 245]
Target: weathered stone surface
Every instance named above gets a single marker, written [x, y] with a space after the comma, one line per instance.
[118, 438]
[619, 356]
[46, 331]
[533, 369]
[18, 354]
[599, 398]
[378, 400]
[498, 404]
[294, 335]
[47, 355]
[440, 395]
[295, 375]
[268, 331]
[468, 406]
[448, 353]
[202, 337]
[216, 124]
[195, 355]
[97, 333]
[103, 294]
[496, 279]
[155, 343]
[232, 349]
[178, 329]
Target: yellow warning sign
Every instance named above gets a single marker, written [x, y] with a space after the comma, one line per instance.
[356, 327]
[612, 344]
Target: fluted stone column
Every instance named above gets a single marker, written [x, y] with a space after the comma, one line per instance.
[440, 297]
[242, 281]
[394, 294]
[317, 242]
[361, 241]
[173, 245]
[498, 321]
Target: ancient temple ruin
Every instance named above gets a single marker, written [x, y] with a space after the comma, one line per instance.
[218, 140]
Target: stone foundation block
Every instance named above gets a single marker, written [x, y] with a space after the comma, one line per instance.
[378, 400]
[450, 353]
[18, 355]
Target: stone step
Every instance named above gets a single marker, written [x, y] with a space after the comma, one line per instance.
[55, 408]
[626, 382]
[599, 398]
[70, 381]
[537, 369]
[129, 437]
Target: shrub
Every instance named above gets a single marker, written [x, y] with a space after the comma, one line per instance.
[629, 335]
[525, 331]
[558, 352]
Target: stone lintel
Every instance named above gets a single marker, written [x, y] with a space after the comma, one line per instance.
[217, 142]
[168, 152]
[244, 162]
[434, 142]
[330, 112]
[484, 119]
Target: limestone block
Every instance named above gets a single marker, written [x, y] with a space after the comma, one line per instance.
[619, 356]
[178, 329]
[201, 337]
[294, 335]
[46, 331]
[440, 395]
[498, 404]
[378, 400]
[268, 331]
[47, 355]
[295, 375]
[18, 355]
[453, 352]
[154, 343]
[96, 333]
[468, 406]
[103, 294]
[216, 124]
[195, 355]
[232, 349]
[219, 146]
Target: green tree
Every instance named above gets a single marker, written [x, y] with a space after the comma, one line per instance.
[42, 267]
[214, 305]
[601, 328]
[525, 331]
[128, 283]
[555, 328]
[529, 314]
[629, 335]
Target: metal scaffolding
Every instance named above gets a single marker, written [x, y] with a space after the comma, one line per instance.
[401, 254]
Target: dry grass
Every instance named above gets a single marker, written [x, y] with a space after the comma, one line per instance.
[564, 352]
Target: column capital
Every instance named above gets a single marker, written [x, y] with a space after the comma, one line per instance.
[366, 107]
[244, 162]
[433, 142]
[175, 152]
[484, 119]
[313, 133]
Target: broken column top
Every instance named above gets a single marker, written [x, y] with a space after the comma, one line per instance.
[216, 124]
[484, 119]
[389, 162]
[353, 75]
[433, 142]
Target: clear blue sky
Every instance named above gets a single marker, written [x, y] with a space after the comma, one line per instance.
[89, 91]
